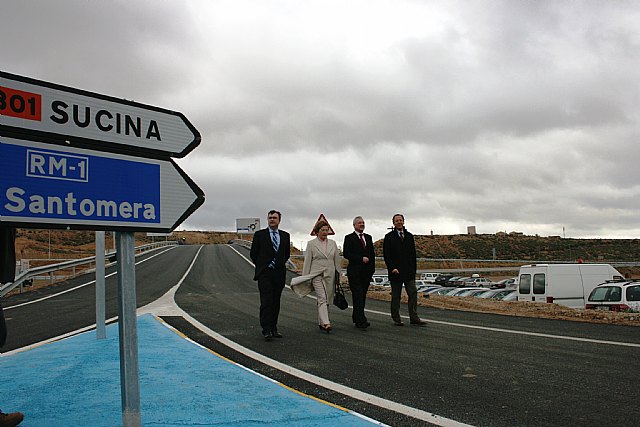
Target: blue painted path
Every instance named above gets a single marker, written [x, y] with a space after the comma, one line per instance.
[76, 382]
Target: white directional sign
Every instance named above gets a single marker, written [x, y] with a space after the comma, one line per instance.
[52, 113]
[80, 188]
[247, 225]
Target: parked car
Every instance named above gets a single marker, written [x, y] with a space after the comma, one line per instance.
[471, 292]
[379, 280]
[512, 295]
[506, 283]
[458, 281]
[443, 279]
[481, 282]
[441, 291]
[495, 293]
[615, 296]
[421, 285]
[424, 287]
[458, 292]
[429, 277]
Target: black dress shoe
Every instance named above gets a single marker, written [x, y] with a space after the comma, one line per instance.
[362, 326]
[267, 335]
[419, 322]
[398, 322]
[276, 334]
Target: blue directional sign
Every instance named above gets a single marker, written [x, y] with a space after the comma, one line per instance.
[79, 188]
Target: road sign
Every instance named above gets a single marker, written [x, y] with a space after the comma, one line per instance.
[247, 225]
[322, 218]
[76, 188]
[52, 113]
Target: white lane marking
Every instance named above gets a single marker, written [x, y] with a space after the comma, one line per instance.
[535, 334]
[245, 258]
[166, 304]
[506, 331]
[80, 286]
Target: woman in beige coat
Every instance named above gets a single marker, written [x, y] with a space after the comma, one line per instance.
[322, 258]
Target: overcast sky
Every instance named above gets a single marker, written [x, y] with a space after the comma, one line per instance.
[510, 116]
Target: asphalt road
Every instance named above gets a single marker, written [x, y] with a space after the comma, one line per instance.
[30, 323]
[467, 367]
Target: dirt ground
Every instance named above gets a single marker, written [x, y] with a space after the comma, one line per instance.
[516, 308]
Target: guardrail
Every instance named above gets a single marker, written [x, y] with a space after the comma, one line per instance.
[28, 275]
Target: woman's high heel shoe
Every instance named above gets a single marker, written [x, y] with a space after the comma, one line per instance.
[327, 328]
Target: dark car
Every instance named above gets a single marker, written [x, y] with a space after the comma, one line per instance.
[442, 279]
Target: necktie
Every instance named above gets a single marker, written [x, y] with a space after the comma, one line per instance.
[364, 244]
[401, 235]
[275, 243]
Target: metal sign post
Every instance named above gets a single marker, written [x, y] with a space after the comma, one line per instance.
[127, 328]
[101, 331]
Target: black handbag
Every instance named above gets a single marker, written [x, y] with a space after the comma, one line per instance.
[339, 300]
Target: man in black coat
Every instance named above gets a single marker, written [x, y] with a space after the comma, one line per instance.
[358, 250]
[270, 250]
[399, 249]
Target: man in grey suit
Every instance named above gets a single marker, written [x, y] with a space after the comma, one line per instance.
[270, 250]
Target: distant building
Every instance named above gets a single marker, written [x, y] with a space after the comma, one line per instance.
[471, 229]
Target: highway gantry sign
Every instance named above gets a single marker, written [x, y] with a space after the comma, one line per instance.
[44, 184]
[52, 113]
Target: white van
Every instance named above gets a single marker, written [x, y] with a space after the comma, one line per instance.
[566, 284]
[429, 277]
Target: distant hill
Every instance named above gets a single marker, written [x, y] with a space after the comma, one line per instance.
[521, 247]
[34, 243]
[63, 244]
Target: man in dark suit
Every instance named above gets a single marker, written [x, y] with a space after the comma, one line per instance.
[399, 250]
[270, 250]
[358, 250]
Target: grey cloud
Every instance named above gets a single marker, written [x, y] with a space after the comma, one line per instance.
[501, 114]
